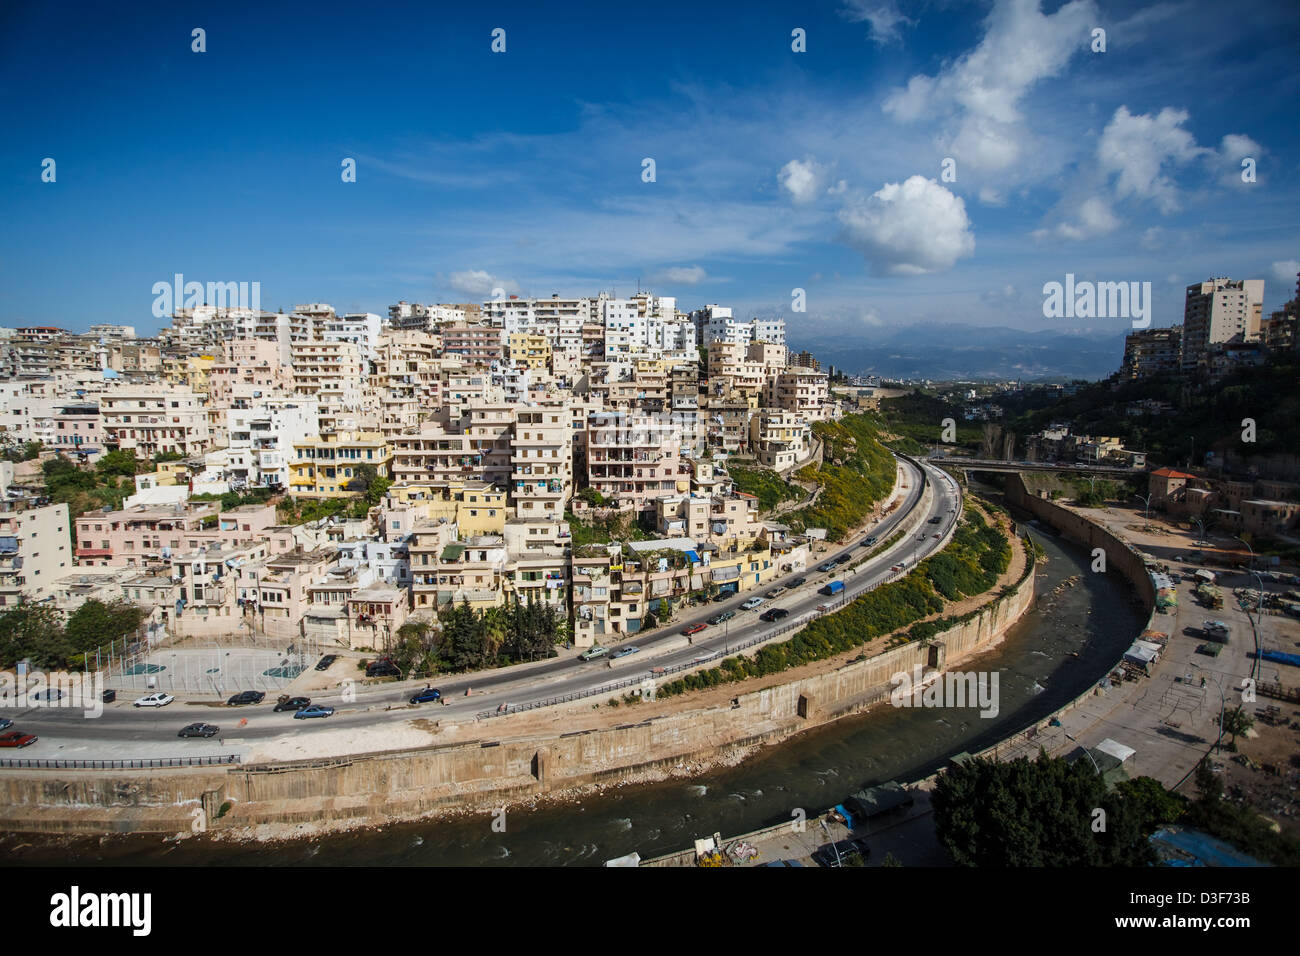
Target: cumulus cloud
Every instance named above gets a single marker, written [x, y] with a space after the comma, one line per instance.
[1233, 148]
[681, 275]
[1092, 217]
[1020, 48]
[884, 17]
[476, 282]
[802, 179]
[910, 228]
[1138, 148]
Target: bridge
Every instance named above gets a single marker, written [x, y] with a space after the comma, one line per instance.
[1009, 467]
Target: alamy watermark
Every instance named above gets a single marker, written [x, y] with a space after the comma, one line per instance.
[950, 689]
[223, 295]
[1098, 300]
[67, 690]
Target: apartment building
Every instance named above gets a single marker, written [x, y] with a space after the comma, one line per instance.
[154, 419]
[1217, 311]
[35, 550]
[477, 344]
[541, 451]
[799, 390]
[1151, 352]
[529, 350]
[632, 458]
[779, 438]
[323, 467]
[263, 435]
[332, 373]
[143, 534]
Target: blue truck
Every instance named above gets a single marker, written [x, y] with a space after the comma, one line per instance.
[833, 587]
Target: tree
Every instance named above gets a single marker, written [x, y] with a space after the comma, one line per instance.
[119, 463]
[1042, 813]
[1236, 721]
[33, 632]
[96, 624]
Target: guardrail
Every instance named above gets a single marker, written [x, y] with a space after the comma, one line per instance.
[138, 763]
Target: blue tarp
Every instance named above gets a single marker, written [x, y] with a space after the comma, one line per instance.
[1279, 657]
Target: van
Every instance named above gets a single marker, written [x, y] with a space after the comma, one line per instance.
[832, 587]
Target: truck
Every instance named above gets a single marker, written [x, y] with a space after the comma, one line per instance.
[832, 588]
[1217, 631]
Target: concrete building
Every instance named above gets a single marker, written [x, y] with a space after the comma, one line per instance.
[35, 550]
[1217, 311]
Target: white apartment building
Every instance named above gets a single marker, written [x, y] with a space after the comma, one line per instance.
[35, 551]
[154, 419]
[541, 453]
[1219, 310]
[360, 328]
[330, 372]
[799, 390]
[262, 434]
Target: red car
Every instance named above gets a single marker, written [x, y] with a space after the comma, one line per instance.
[693, 629]
[17, 739]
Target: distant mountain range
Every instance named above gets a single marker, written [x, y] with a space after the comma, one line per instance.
[950, 351]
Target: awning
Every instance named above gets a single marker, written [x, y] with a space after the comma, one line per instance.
[453, 552]
[693, 557]
[1116, 749]
[726, 574]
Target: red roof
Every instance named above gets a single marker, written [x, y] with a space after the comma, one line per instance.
[1170, 473]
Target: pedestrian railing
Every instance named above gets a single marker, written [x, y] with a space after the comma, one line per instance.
[137, 763]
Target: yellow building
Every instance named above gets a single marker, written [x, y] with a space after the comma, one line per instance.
[322, 467]
[192, 370]
[476, 507]
[530, 351]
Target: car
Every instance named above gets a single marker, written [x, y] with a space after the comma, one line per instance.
[382, 668]
[49, 695]
[724, 595]
[291, 703]
[199, 730]
[773, 614]
[828, 566]
[5, 723]
[751, 604]
[895, 567]
[775, 592]
[109, 696]
[591, 653]
[315, 710]
[871, 539]
[936, 536]
[246, 697]
[936, 519]
[693, 629]
[798, 582]
[843, 853]
[154, 700]
[630, 649]
[326, 661]
[17, 739]
[426, 696]
[722, 618]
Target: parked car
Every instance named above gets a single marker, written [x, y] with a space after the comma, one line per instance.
[773, 614]
[629, 649]
[427, 696]
[828, 566]
[751, 604]
[49, 695]
[291, 703]
[246, 697]
[775, 592]
[326, 661]
[798, 582]
[842, 853]
[154, 700]
[382, 668]
[17, 739]
[693, 629]
[722, 618]
[844, 559]
[591, 653]
[199, 730]
[109, 696]
[315, 710]
[5, 723]
[724, 595]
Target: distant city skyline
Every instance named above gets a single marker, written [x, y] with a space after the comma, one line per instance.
[822, 170]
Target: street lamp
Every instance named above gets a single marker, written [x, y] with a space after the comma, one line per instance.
[1259, 607]
[1146, 520]
[1223, 704]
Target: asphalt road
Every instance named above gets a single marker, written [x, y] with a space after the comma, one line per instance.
[124, 724]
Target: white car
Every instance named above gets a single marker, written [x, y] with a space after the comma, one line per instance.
[751, 603]
[154, 700]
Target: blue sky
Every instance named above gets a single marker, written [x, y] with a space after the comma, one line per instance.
[774, 169]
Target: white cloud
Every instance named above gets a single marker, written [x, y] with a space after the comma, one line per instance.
[1233, 148]
[885, 19]
[991, 197]
[682, 275]
[1020, 48]
[802, 179]
[476, 282]
[1092, 218]
[910, 228]
[1138, 147]
[1286, 270]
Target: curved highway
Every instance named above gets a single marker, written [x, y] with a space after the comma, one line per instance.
[126, 732]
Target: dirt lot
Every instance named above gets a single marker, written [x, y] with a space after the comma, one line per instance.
[1269, 782]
